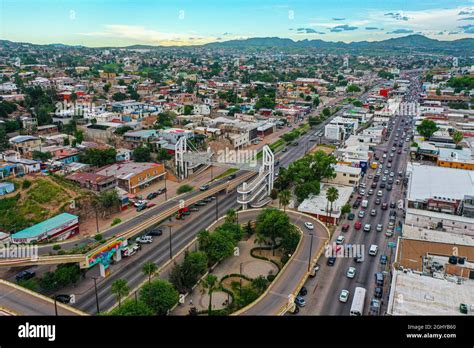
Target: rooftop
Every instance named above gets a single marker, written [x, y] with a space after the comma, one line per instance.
[317, 204]
[45, 226]
[419, 233]
[127, 169]
[415, 294]
[439, 182]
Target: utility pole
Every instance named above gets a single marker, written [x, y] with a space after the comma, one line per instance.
[310, 252]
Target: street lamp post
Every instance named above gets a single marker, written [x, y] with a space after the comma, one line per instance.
[310, 252]
[96, 295]
[55, 305]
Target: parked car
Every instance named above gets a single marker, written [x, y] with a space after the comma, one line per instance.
[155, 232]
[145, 239]
[300, 302]
[383, 259]
[152, 195]
[361, 213]
[378, 292]
[303, 291]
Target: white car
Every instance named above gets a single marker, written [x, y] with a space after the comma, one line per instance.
[309, 225]
[379, 228]
[373, 250]
[340, 240]
[351, 272]
[344, 296]
[379, 193]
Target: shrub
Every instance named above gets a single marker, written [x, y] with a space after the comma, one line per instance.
[184, 189]
[56, 247]
[26, 184]
[116, 221]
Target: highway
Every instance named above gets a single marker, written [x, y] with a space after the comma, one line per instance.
[20, 301]
[325, 288]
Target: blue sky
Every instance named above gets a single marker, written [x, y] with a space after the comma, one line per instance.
[184, 22]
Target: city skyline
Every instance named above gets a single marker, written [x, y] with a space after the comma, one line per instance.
[123, 23]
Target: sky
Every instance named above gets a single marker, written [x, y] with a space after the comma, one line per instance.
[97, 23]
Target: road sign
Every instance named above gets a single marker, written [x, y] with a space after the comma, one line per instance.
[392, 244]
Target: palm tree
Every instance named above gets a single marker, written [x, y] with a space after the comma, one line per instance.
[120, 289]
[210, 284]
[260, 239]
[332, 195]
[284, 197]
[457, 137]
[149, 269]
[231, 216]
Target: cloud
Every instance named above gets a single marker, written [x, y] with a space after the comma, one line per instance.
[142, 35]
[397, 16]
[308, 31]
[371, 28]
[338, 19]
[467, 29]
[465, 13]
[345, 27]
[401, 31]
[466, 19]
[453, 32]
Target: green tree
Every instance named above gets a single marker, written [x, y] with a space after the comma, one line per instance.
[119, 96]
[159, 295]
[352, 89]
[99, 157]
[326, 112]
[120, 289]
[41, 156]
[163, 155]
[284, 198]
[427, 128]
[346, 209]
[149, 269]
[457, 137]
[132, 308]
[210, 284]
[272, 224]
[184, 188]
[231, 216]
[142, 154]
[79, 135]
[332, 195]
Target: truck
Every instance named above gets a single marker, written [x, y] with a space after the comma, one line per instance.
[358, 302]
[365, 203]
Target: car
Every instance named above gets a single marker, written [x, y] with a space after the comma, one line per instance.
[208, 199]
[362, 185]
[356, 204]
[309, 225]
[150, 205]
[373, 250]
[155, 232]
[361, 214]
[358, 225]
[362, 192]
[204, 187]
[392, 174]
[378, 292]
[367, 227]
[344, 296]
[152, 195]
[331, 261]
[300, 302]
[141, 207]
[389, 187]
[374, 185]
[345, 228]
[314, 270]
[351, 216]
[379, 278]
[231, 176]
[284, 149]
[303, 291]
[340, 240]
[63, 298]
[201, 203]
[382, 185]
[390, 181]
[369, 176]
[379, 228]
[389, 165]
[161, 191]
[400, 173]
[140, 202]
[373, 212]
[384, 178]
[379, 193]
[383, 259]
[393, 205]
[399, 151]
[385, 171]
[351, 272]
[145, 239]
[359, 258]
[193, 209]
[377, 201]
[25, 275]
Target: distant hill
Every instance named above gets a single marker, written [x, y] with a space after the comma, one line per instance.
[402, 45]
[410, 43]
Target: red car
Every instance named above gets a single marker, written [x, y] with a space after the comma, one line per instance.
[358, 225]
[345, 227]
[384, 206]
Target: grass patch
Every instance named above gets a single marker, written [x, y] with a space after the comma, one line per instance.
[227, 172]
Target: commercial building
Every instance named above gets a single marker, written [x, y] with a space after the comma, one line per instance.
[440, 198]
[59, 227]
[133, 176]
[346, 175]
[93, 181]
[318, 206]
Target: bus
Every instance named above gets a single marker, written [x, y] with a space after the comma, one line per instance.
[358, 301]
